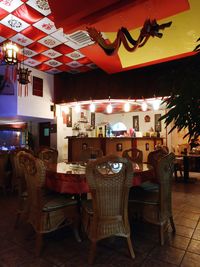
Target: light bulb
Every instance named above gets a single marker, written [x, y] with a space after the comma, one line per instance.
[144, 106]
[92, 107]
[65, 109]
[127, 107]
[156, 104]
[77, 108]
[109, 108]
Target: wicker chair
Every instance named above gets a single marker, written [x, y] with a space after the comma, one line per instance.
[18, 170]
[47, 212]
[133, 154]
[90, 153]
[48, 155]
[155, 206]
[109, 179]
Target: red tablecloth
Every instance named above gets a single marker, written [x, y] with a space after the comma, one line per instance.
[77, 184]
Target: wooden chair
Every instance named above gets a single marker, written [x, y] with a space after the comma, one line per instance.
[133, 154]
[48, 155]
[109, 179]
[47, 212]
[155, 206]
[90, 153]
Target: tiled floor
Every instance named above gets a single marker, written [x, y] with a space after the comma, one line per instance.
[61, 249]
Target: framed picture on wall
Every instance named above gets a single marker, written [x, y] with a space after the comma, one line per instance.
[158, 127]
[37, 86]
[69, 118]
[136, 123]
[93, 120]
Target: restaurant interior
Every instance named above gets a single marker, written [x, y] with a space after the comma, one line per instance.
[99, 133]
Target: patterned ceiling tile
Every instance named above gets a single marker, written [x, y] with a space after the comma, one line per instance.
[43, 67]
[49, 41]
[33, 33]
[21, 57]
[40, 58]
[28, 52]
[40, 5]
[2, 39]
[10, 5]
[64, 59]
[60, 36]
[92, 66]
[6, 32]
[14, 23]
[75, 55]
[74, 71]
[45, 25]
[39, 48]
[53, 71]
[63, 68]
[53, 63]
[27, 14]
[84, 60]
[74, 64]
[63, 49]
[84, 69]
[3, 13]
[31, 62]
[51, 53]
[21, 39]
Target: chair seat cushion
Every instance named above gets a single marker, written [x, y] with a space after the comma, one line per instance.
[149, 186]
[144, 196]
[58, 202]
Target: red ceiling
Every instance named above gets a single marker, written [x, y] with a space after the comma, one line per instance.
[35, 25]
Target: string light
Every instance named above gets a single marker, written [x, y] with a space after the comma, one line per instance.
[77, 108]
[156, 104]
[144, 106]
[92, 107]
[109, 108]
[127, 107]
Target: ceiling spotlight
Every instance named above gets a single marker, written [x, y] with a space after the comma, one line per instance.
[65, 109]
[144, 106]
[127, 107]
[109, 108]
[92, 107]
[77, 108]
[156, 104]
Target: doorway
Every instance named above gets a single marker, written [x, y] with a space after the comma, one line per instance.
[44, 134]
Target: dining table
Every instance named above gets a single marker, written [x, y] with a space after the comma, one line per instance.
[186, 157]
[66, 177]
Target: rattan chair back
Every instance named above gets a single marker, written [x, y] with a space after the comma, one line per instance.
[133, 154]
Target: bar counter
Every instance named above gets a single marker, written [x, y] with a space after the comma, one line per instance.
[111, 145]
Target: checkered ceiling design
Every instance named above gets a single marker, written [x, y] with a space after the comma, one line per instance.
[30, 24]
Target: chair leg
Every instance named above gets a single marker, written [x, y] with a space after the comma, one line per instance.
[162, 238]
[130, 247]
[172, 224]
[92, 252]
[39, 243]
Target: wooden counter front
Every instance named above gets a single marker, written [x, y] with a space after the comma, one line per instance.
[111, 145]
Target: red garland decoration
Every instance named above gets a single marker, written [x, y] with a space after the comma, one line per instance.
[150, 29]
